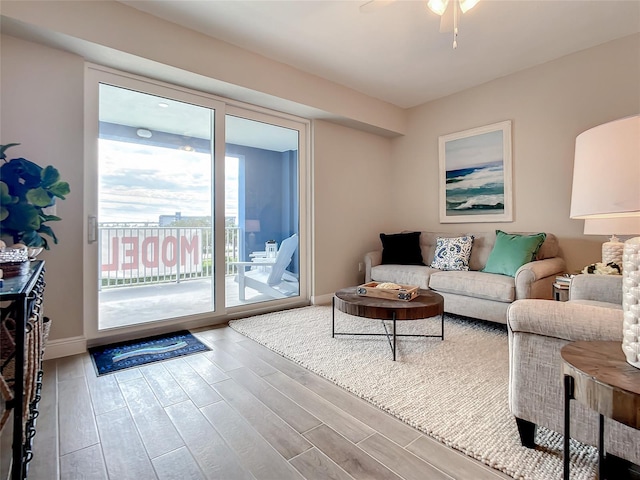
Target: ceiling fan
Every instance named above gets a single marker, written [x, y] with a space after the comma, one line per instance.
[448, 22]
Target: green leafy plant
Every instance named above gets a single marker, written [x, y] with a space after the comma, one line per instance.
[26, 189]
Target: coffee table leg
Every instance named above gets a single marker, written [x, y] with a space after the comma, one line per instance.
[333, 317]
[394, 336]
[442, 325]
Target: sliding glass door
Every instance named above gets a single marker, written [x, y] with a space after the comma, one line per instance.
[155, 204]
[195, 207]
[266, 265]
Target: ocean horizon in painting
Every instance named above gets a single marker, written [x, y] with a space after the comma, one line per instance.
[475, 190]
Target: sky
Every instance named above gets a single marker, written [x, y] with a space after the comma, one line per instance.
[138, 183]
[474, 151]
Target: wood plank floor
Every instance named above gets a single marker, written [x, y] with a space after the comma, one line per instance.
[238, 411]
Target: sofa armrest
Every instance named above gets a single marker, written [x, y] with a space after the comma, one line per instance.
[599, 288]
[534, 279]
[371, 259]
[565, 320]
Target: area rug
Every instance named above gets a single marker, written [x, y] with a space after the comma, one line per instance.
[118, 356]
[454, 390]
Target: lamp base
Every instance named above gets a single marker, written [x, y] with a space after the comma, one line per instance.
[612, 251]
[631, 301]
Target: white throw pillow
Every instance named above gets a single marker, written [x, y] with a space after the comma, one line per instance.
[452, 253]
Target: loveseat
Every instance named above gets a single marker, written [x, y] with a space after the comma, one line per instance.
[537, 332]
[472, 292]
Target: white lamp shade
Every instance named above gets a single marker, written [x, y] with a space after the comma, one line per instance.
[606, 171]
[612, 226]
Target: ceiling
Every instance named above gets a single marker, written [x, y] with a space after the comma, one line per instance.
[396, 53]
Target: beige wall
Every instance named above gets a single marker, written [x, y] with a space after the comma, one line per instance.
[351, 202]
[41, 99]
[549, 106]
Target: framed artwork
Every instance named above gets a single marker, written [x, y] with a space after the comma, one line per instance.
[475, 175]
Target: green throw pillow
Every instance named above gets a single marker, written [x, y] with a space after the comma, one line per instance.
[511, 251]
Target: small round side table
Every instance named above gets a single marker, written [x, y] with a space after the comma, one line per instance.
[597, 375]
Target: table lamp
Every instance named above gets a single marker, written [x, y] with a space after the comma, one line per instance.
[606, 179]
[252, 227]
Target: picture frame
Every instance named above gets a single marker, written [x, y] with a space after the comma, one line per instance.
[475, 182]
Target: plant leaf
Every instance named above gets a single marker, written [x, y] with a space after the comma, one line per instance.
[48, 231]
[49, 176]
[4, 213]
[32, 239]
[22, 218]
[60, 189]
[49, 218]
[5, 196]
[4, 147]
[39, 197]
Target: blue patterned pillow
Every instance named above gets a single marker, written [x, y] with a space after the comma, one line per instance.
[452, 253]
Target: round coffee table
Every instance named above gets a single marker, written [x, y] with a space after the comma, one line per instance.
[428, 304]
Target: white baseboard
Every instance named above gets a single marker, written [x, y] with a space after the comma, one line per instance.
[322, 299]
[65, 347]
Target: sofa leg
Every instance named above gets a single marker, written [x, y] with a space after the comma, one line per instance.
[527, 431]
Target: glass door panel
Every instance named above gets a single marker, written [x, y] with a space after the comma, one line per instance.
[262, 207]
[155, 203]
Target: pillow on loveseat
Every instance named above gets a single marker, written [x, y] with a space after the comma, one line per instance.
[401, 249]
[511, 251]
[452, 253]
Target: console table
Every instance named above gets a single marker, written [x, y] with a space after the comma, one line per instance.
[23, 333]
[597, 375]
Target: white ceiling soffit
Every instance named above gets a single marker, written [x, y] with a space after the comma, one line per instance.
[144, 111]
[396, 53]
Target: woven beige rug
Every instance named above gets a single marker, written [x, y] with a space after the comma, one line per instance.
[453, 390]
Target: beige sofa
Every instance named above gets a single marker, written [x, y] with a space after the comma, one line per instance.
[474, 293]
[537, 332]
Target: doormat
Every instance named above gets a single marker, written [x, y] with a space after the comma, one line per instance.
[119, 356]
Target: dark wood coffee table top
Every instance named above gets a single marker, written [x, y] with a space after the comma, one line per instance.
[428, 304]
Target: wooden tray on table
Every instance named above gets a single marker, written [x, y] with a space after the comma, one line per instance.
[406, 293]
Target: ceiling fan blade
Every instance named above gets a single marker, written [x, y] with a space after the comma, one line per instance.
[373, 5]
[446, 21]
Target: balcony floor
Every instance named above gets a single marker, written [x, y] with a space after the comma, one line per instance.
[124, 306]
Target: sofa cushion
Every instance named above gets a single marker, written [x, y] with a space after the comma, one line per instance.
[403, 274]
[401, 249]
[452, 253]
[474, 284]
[511, 251]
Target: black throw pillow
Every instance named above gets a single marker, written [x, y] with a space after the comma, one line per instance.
[401, 249]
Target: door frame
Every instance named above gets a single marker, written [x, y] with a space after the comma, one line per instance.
[96, 74]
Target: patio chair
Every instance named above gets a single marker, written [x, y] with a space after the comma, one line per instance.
[269, 276]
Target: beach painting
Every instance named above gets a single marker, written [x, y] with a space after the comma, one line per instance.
[475, 175]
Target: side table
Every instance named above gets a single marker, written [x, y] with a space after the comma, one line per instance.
[560, 294]
[597, 375]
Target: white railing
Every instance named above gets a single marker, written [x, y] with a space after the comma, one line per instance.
[139, 254]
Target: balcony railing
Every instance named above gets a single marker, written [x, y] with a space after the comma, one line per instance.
[142, 254]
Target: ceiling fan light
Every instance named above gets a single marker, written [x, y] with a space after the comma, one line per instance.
[438, 6]
[466, 5]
